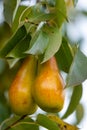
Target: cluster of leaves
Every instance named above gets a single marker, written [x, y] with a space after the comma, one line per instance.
[49, 122]
[37, 30]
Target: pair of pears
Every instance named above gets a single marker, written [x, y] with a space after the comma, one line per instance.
[30, 87]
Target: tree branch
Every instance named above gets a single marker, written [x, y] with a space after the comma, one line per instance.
[21, 118]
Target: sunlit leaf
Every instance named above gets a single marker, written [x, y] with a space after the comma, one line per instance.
[78, 70]
[10, 9]
[64, 56]
[15, 23]
[12, 62]
[13, 41]
[74, 101]
[46, 122]
[79, 113]
[38, 43]
[54, 44]
[61, 13]
[35, 14]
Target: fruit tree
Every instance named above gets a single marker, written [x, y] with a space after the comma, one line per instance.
[39, 65]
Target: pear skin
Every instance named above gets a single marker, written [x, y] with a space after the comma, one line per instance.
[48, 89]
[20, 96]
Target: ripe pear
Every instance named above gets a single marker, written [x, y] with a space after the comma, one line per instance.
[48, 89]
[20, 96]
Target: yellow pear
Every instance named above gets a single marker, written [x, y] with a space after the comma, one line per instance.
[48, 88]
[20, 96]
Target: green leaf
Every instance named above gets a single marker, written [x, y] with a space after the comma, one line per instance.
[74, 101]
[78, 70]
[79, 113]
[27, 119]
[12, 62]
[10, 9]
[61, 13]
[4, 112]
[2, 69]
[15, 23]
[25, 126]
[20, 48]
[35, 14]
[38, 43]
[46, 122]
[64, 56]
[8, 122]
[54, 44]
[18, 36]
[20, 123]
[75, 2]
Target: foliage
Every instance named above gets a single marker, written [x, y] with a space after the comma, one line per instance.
[38, 30]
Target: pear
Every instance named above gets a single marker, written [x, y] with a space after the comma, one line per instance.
[20, 96]
[48, 88]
